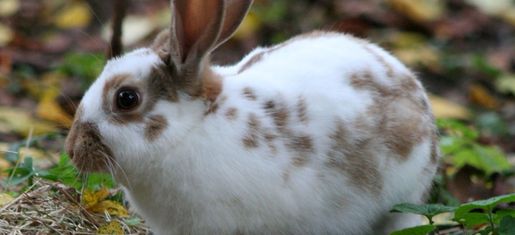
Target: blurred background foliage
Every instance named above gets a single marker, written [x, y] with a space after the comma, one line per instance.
[463, 51]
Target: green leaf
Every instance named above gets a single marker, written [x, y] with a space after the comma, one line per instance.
[488, 159]
[507, 226]
[451, 144]
[487, 204]
[419, 230]
[84, 65]
[428, 210]
[491, 123]
[472, 219]
[457, 129]
[500, 214]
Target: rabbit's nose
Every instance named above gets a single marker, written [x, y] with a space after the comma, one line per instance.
[85, 147]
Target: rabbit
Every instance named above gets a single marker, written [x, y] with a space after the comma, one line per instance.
[321, 134]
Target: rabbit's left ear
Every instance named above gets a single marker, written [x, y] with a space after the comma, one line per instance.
[197, 28]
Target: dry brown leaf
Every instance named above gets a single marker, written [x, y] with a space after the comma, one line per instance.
[113, 227]
[421, 10]
[479, 95]
[74, 15]
[443, 108]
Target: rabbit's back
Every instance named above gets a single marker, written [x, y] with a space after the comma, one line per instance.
[325, 132]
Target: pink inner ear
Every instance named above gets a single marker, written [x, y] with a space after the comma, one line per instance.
[196, 23]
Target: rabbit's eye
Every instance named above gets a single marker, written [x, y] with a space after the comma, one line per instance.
[127, 99]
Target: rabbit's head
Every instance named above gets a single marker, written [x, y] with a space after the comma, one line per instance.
[143, 101]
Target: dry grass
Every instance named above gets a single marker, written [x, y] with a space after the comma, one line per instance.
[53, 208]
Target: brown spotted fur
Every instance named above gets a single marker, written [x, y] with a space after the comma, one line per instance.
[352, 157]
[155, 126]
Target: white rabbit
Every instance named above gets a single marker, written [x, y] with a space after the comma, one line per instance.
[321, 134]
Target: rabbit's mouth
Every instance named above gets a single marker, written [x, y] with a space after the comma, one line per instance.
[85, 147]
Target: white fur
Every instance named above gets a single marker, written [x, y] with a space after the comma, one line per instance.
[198, 178]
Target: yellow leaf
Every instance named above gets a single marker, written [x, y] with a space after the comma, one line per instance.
[5, 198]
[50, 110]
[491, 7]
[112, 207]
[6, 35]
[482, 97]
[509, 15]
[47, 81]
[9, 7]
[20, 121]
[135, 28]
[248, 27]
[113, 227]
[90, 198]
[420, 10]
[506, 84]
[75, 15]
[443, 108]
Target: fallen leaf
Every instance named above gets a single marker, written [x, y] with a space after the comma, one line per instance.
[491, 7]
[49, 109]
[135, 28]
[6, 35]
[5, 198]
[9, 7]
[420, 11]
[113, 227]
[21, 122]
[479, 95]
[91, 198]
[111, 207]
[506, 84]
[509, 15]
[443, 108]
[74, 15]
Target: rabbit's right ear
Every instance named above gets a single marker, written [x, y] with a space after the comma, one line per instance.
[197, 28]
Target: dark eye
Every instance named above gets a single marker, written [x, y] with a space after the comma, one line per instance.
[127, 99]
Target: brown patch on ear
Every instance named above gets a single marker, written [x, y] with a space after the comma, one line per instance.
[353, 158]
[249, 93]
[155, 126]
